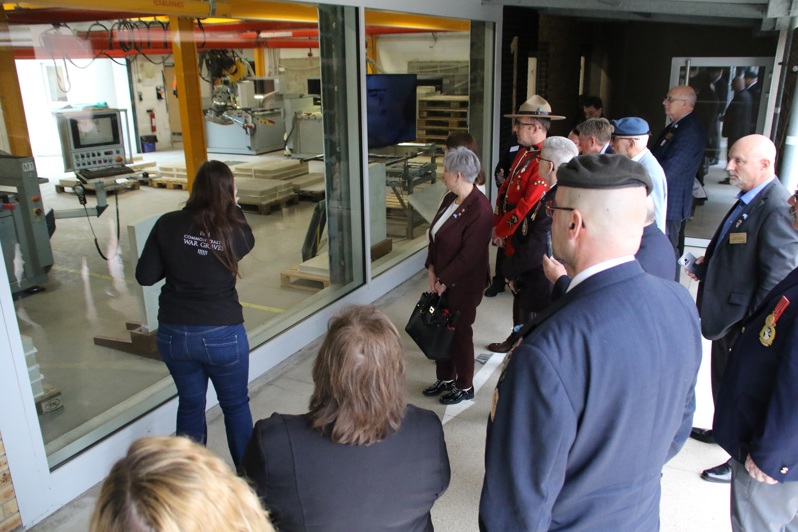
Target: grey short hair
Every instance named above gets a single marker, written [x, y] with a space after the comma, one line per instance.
[559, 150]
[463, 160]
[596, 127]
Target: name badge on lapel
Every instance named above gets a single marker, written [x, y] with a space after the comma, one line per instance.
[738, 238]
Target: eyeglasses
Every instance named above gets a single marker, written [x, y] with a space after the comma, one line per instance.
[547, 160]
[614, 138]
[671, 99]
[551, 207]
[518, 123]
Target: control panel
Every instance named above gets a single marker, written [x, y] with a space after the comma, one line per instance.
[94, 158]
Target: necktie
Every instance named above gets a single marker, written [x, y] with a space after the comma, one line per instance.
[733, 215]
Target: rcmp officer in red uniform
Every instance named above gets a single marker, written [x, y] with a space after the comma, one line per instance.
[524, 187]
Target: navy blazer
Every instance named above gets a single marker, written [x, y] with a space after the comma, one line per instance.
[656, 253]
[680, 151]
[739, 275]
[590, 407]
[655, 257]
[755, 410]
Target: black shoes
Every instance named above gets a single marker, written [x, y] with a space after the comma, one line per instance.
[720, 473]
[457, 395]
[438, 388]
[702, 435]
[494, 289]
[502, 347]
[726, 181]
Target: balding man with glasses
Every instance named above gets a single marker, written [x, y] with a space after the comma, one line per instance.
[680, 151]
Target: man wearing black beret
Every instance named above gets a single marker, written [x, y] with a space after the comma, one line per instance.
[565, 446]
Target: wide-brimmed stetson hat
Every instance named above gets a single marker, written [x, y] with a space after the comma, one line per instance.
[535, 107]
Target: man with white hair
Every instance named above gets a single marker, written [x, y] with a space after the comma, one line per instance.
[566, 449]
[630, 138]
[524, 268]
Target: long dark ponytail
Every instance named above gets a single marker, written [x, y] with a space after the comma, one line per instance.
[215, 211]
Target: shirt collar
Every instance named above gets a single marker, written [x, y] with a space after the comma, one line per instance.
[748, 197]
[597, 268]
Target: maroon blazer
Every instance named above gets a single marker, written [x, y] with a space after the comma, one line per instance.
[460, 252]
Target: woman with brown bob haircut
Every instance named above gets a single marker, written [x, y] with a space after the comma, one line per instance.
[360, 446]
[171, 484]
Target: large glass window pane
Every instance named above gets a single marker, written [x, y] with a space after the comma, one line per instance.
[278, 108]
[422, 86]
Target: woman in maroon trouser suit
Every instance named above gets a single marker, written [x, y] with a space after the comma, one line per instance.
[458, 264]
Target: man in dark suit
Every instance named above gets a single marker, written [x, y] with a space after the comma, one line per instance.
[737, 118]
[680, 150]
[524, 268]
[753, 88]
[755, 419]
[753, 249]
[594, 136]
[566, 449]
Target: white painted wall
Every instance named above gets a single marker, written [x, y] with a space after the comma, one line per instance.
[89, 85]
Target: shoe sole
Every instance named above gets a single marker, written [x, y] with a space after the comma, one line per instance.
[447, 403]
[715, 480]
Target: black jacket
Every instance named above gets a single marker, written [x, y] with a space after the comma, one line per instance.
[199, 290]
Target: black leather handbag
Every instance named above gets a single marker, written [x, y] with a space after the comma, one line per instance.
[431, 326]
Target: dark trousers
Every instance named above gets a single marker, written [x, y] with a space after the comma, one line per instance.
[720, 356]
[675, 229]
[498, 278]
[460, 365]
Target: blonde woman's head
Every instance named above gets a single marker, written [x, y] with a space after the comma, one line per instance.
[171, 484]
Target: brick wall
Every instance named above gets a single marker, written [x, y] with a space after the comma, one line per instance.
[9, 511]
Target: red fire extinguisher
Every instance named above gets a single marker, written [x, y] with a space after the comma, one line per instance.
[152, 119]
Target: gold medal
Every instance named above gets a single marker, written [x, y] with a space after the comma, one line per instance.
[768, 332]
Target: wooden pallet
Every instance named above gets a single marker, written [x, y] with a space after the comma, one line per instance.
[269, 206]
[293, 278]
[170, 183]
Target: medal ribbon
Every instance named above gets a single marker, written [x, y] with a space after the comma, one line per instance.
[780, 308]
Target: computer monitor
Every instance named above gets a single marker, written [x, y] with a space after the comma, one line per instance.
[390, 109]
[314, 86]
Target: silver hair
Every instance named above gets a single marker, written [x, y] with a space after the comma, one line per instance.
[559, 150]
[463, 160]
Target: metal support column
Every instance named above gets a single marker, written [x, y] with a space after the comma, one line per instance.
[11, 96]
[189, 96]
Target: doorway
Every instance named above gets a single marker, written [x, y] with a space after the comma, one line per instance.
[717, 80]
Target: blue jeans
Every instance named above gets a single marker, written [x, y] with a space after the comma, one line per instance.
[196, 353]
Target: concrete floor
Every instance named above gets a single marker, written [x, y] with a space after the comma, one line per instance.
[688, 503]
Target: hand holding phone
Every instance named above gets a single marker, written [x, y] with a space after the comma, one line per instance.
[688, 262]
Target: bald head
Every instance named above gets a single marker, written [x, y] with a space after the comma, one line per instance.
[752, 161]
[604, 224]
[679, 102]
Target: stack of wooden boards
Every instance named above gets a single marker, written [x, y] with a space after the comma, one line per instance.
[262, 185]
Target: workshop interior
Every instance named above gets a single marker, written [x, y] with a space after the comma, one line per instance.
[105, 101]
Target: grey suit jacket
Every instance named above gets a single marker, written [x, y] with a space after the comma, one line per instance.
[759, 250]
